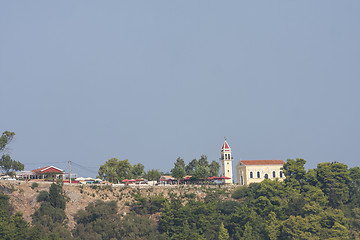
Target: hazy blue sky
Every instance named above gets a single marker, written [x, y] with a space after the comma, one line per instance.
[150, 81]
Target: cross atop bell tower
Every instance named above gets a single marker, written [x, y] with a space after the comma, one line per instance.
[226, 162]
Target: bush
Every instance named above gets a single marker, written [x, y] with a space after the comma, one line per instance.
[212, 197]
[190, 195]
[43, 196]
[34, 185]
[240, 192]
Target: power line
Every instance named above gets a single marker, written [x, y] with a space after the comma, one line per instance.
[83, 167]
[74, 165]
[25, 163]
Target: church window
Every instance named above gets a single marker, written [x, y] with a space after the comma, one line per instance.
[251, 175]
[258, 174]
[281, 174]
[274, 174]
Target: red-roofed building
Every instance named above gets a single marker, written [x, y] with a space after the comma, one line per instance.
[44, 173]
[167, 180]
[50, 169]
[253, 171]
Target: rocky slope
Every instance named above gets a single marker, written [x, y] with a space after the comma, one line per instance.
[23, 195]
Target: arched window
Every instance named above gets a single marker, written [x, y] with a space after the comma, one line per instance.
[251, 175]
[258, 174]
[274, 174]
[266, 176]
[281, 174]
[241, 180]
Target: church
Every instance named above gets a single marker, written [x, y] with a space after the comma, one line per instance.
[249, 171]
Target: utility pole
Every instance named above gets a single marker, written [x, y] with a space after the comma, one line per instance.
[69, 171]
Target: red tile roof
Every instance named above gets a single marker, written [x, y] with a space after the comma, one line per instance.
[262, 162]
[48, 169]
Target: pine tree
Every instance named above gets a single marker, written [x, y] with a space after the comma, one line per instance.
[223, 233]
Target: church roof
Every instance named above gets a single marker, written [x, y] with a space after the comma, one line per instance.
[225, 147]
[262, 162]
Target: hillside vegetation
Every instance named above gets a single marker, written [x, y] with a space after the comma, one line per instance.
[321, 203]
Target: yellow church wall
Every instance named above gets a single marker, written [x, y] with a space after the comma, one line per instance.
[244, 171]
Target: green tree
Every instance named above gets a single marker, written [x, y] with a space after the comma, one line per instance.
[334, 180]
[5, 139]
[295, 172]
[178, 171]
[100, 220]
[355, 187]
[203, 161]
[138, 170]
[180, 162]
[153, 174]
[56, 196]
[13, 226]
[199, 169]
[9, 165]
[108, 170]
[248, 232]
[223, 233]
[190, 168]
[214, 168]
[116, 171]
[298, 228]
[134, 227]
[272, 226]
[43, 196]
[201, 172]
[50, 218]
[6, 163]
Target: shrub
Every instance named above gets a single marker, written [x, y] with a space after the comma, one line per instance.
[34, 185]
[190, 195]
[240, 192]
[43, 196]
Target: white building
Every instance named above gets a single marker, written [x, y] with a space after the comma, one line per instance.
[254, 171]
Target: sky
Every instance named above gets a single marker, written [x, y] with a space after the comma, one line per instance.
[149, 81]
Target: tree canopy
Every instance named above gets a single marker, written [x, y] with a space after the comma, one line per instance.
[115, 170]
[153, 174]
[201, 169]
[178, 171]
[6, 163]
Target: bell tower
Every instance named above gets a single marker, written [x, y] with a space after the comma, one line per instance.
[226, 162]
